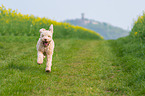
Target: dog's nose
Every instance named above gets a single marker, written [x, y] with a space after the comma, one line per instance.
[45, 39]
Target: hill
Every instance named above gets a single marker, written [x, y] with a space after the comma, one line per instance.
[106, 30]
[17, 24]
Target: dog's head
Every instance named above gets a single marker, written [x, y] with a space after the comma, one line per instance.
[46, 35]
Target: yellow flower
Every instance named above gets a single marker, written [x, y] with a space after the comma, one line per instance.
[26, 17]
[0, 8]
[3, 6]
[7, 21]
[135, 33]
[33, 22]
[13, 11]
[101, 37]
[136, 22]
[4, 11]
[20, 14]
[66, 27]
[9, 10]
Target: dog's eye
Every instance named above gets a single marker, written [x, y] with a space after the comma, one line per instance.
[49, 36]
[42, 35]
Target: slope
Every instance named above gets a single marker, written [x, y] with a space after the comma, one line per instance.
[106, 30]
[17, 24]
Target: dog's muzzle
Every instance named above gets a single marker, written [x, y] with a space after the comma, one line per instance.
[46, 43]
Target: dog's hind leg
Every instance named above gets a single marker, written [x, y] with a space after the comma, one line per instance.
[40, 57]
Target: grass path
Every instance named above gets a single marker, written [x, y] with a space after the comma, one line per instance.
[80, 68]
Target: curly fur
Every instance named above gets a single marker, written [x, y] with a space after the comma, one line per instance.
[45, 46]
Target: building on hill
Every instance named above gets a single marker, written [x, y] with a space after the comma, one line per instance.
[83, 16]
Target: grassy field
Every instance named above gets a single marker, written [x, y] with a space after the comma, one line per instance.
[83, 63]
[92, 69]
[20, 74]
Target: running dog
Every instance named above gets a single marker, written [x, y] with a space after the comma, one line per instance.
[45, 47]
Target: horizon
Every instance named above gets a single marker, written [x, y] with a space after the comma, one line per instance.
[119, 13]
[93, 20]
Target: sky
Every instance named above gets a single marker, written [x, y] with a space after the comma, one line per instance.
[120, 13]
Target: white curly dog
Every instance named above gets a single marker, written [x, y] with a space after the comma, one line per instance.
[45, 47]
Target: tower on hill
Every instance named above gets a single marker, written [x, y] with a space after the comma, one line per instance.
[83, 16]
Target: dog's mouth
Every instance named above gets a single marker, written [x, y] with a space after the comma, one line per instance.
[45, 43]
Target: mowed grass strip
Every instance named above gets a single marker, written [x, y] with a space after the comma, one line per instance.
[80, 67]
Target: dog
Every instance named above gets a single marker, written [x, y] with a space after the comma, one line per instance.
[45, 47]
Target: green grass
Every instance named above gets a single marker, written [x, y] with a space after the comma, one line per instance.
[95, 68]
[85, 70]
[130, 55]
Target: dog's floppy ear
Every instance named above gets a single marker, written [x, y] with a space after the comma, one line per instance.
[41, 30]
[51, 28]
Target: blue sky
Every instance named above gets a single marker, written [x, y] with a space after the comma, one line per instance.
[120, 13]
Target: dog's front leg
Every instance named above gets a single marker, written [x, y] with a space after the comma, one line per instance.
[40, 57]
[49, 63]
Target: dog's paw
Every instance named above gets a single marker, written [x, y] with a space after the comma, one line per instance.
[39, 63]
[47, 70]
